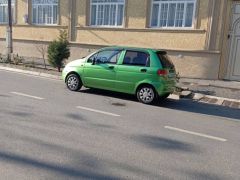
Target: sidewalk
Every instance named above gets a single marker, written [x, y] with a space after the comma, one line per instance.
[223, 93]
[213, 83]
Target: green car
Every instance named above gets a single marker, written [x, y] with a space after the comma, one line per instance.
[146, 73]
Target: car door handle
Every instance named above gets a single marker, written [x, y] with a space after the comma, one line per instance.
[143, 70]
[111, 67]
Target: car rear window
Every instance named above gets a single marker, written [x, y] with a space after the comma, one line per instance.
[165, 60]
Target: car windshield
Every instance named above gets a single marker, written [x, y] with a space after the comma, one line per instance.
[165, 60]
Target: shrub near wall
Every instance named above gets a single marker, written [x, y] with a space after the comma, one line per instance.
[58, 50]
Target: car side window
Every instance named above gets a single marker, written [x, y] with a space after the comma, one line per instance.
[136, 58]
[108, 56]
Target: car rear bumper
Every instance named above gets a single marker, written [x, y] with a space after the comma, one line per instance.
[165, 87]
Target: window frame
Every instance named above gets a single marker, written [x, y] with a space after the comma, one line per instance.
[14, 13]
[47, 24]
[194, 18]
[107, 26]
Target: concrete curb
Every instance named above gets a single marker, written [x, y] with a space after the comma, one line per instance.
[202, 98]
[41, 74]
[219, 101]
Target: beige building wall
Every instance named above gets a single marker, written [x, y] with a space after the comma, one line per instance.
[136, 13]
[196, 64]
[26, 31]
[136, 31]
[82, 12]
[196, 52]
[21, 11]
[160, 39]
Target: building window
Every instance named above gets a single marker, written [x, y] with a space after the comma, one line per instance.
[44, 12]
[173, 13]
[4, 11]
[107, 12]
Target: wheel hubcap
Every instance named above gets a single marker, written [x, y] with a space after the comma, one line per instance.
[72, 82]
[146, 95]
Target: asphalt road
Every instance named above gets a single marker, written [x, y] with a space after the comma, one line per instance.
[48, 132]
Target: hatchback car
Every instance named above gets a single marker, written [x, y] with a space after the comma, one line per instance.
[146, 73]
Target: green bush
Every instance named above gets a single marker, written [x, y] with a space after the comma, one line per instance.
[58, 50]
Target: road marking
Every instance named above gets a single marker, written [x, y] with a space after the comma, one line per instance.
[98, 111]
[196, 134]
[26, 95]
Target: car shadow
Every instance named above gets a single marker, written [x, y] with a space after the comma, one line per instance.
[206, 92]
[204, 174]
[106, 93]
[186, 105]
[162, 143]
[189, 105]
[81, 164]
[48, 166]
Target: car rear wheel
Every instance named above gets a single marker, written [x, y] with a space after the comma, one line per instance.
[73, 82]
[146, 94]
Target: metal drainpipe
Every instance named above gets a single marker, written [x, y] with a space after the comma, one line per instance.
[210, 25]
[9, 30]
[71, 16]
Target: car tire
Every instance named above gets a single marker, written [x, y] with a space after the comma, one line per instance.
[73, 82]
[146, 94]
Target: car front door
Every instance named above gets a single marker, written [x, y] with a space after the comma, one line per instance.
[100, 70]
[132, 70]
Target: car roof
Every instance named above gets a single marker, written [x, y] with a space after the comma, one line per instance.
[131, 48]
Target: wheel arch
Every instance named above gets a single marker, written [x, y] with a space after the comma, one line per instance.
[144, 84]
[72, 72]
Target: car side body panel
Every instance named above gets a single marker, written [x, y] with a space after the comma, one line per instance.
[122, 77]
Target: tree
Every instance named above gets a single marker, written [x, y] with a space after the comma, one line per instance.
[58, 50]
[42, 49]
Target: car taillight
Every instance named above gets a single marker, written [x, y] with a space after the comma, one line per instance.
[162, 72]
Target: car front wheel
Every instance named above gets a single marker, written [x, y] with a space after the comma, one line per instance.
[73, 82]
[146, 95]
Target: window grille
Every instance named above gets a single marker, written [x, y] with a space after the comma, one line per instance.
[107, 12]
[45, 12]
[4, 11]
[173, 13]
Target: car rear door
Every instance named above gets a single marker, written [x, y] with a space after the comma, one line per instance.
[132, 70]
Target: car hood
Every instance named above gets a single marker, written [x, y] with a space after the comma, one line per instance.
[76, 62]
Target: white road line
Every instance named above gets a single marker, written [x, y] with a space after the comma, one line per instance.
[196, 134]
[98, 111]
[26, 95]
